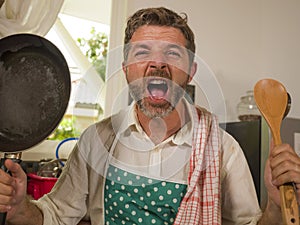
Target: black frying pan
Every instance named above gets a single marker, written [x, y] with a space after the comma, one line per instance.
[34, 91]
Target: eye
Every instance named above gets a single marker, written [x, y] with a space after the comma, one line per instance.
[173, 54]
[141, 53]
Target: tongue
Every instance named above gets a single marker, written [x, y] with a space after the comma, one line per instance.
[157, 93]
[157, 90]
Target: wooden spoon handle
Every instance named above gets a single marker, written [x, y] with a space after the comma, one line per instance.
[288, 197]
[289, 205]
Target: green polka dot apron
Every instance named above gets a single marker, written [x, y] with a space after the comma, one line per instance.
[133, 199]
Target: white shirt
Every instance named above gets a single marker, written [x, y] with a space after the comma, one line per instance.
[168, 160]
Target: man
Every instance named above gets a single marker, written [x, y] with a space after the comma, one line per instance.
[166, 161]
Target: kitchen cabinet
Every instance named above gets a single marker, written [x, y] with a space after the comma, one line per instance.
[254, 138]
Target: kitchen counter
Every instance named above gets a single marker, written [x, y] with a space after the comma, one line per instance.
[46, 150]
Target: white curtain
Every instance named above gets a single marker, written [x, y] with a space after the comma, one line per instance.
[28, 16]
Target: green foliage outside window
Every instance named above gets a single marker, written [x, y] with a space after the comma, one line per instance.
[96, 48]
[65, 129]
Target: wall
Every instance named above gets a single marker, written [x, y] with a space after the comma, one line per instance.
[242, 42]
[94, 10]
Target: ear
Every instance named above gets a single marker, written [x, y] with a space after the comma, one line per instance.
[193, 71]
[124, 68]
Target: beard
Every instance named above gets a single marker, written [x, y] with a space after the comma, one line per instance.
[138, 90]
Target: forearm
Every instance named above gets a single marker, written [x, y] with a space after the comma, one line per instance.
[26, 214]
[272, 215]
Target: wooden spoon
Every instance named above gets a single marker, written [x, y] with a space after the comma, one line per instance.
[272, 99]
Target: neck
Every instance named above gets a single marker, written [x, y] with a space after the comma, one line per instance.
[160, 128]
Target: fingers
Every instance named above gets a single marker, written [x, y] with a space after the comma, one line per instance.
[285, 165]
[7, 198]
[283, 148]
[9, 184]
[7, 191]
[14, 168]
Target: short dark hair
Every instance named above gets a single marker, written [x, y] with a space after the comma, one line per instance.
[160, 16]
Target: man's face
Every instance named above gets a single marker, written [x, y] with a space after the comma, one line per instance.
[157, 69]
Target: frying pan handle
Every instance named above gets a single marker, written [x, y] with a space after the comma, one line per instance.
[16, 157]
[2, 218]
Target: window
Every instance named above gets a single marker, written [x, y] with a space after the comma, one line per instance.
[83, 105]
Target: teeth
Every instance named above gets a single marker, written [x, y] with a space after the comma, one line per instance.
[158, 81]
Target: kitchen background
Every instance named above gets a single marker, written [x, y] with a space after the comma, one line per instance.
[238, 43]
[241, 41]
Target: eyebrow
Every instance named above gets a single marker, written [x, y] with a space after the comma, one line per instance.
[180, 48]
[139, 45]
[148, 46]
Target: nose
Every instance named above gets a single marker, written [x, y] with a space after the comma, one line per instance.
[157, 61]
[158, 68]
[157, 65]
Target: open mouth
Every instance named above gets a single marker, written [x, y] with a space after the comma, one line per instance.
[157, 88]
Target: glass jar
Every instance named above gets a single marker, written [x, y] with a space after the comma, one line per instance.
[247, 109]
